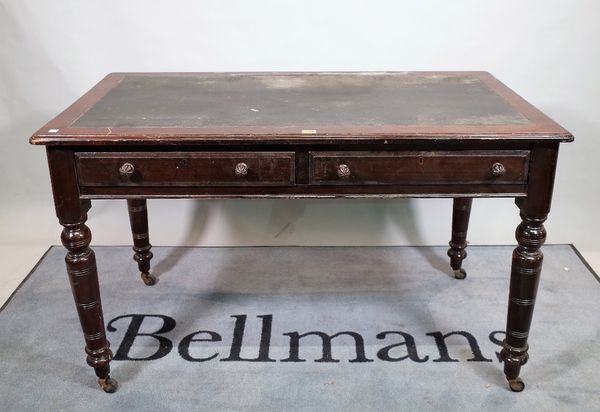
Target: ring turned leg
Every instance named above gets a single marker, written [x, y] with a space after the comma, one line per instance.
[461, 211]
[81, 261]
[83, 276]
[527, 261]
[524, 279]
[138, 218]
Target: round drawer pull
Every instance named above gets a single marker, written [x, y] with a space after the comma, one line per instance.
[343, 171]
[126, 169]
[241, 169]
[498, 169]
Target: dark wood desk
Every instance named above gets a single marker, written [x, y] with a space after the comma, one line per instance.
[459, 135]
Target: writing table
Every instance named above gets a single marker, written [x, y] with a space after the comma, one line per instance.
[461, 135]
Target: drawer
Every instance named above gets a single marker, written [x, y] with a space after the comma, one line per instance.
[185, 168]
[408, 167]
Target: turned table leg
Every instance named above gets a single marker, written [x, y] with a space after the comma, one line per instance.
[461, 211]
[138, 218]
[524, 279]
[81, 262]
[527, 262]
[83, 276]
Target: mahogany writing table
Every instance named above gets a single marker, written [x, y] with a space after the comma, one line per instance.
[204, 135]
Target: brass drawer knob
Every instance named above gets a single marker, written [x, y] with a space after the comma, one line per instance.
[241, 169]
[498, 169]
[126, 169]
[343, 171]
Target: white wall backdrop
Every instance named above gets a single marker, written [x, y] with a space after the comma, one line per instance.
[53, 51]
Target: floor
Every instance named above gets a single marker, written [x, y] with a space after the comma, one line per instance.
[204, 295]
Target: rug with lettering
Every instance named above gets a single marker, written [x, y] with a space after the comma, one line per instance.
[303, 329]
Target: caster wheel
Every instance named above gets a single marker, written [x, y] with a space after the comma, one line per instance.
[149, 280]
[516, 385]
[460, 274]
[108, 385]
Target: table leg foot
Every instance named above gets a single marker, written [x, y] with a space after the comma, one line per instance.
[99, 360]
[108, 384]
[460, 273]
[149, 279]
[516, 385]
[513, 359]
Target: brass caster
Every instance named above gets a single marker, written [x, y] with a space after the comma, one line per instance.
[516, 385]
[460, 274]
[149, 279]
[108, 385]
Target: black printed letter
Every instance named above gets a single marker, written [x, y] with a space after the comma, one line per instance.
[238, 339]
[184, 345]
[411, 348]
[445, 357]
[326, 340]
[165, 345]
[497, 341]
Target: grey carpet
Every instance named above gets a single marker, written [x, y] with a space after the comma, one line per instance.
[361, 290]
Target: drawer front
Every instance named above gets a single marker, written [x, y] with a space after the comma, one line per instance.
[185, 169]
[450, 167]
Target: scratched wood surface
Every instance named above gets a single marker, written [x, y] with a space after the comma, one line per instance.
[297, 108]
[299, 101]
